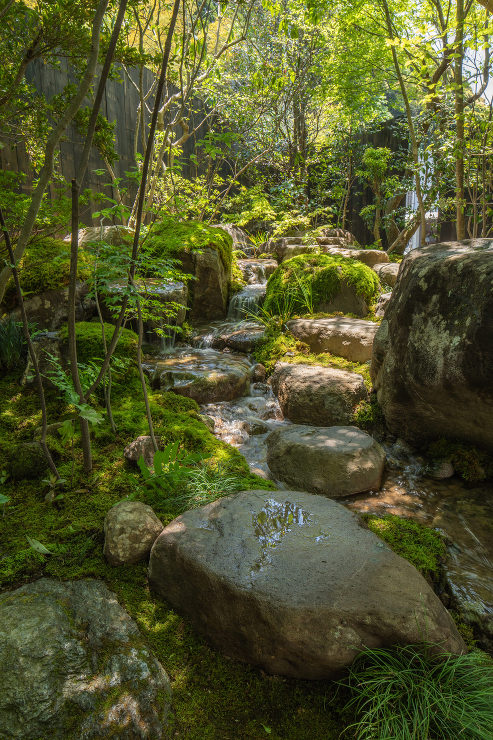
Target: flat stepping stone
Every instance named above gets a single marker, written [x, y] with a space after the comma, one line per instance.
[313, 394]
[387, 272]
[333, 461]
[345, 337]
[293, 583]
[202, 374]
[369, 257]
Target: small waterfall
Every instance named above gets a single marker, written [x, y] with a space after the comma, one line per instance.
[247, 302]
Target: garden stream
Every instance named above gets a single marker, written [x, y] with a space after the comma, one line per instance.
[462, 512]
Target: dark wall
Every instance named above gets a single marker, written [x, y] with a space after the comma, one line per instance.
[120, 105]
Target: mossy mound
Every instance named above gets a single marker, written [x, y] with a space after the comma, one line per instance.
[90, 341]
[170, 238]
[309, 282]
[46, 266]
[470, 463]
[422, 546]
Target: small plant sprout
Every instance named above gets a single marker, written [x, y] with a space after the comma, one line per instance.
[53, 482]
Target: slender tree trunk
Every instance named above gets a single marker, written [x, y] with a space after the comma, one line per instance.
[142, 376]
[32, 353]
[410, 123]
[52, 143]
[74, 243]
[459, 122]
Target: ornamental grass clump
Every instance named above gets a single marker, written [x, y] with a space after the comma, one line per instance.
[412, 693]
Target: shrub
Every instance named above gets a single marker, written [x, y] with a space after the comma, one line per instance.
[170, 238]
[412, 693]
[13, 348]
[319, 279]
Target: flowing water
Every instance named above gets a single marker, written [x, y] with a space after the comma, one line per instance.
[463, 513]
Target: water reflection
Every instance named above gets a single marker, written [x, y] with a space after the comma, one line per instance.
[273, 523]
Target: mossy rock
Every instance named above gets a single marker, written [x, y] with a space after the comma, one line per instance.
[422, 546]
[90, 341]
[203, 251]
[45, 266]
[170, 238]
[321, 283]
[27, 461]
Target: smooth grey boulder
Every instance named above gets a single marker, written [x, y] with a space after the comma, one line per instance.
[313, 394]
[382, 304]
[74, 665]
[115, 235]
[342, 336]
[140, 447]
[130, 530]
[49, 310]
[293, 583]
[333, 461]
[432, 364]
[387, 272]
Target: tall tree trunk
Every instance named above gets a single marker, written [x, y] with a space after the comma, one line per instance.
[53, 141]
[459, 122]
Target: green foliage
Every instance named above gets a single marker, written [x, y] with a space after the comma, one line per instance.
[321, 277]
[171, 467]
[13, 348]
[413, 693]
[420, 545]
[470, 463]
[46, 266]
[170, 237]
[90, 346]
[369, 414]
[250, 209]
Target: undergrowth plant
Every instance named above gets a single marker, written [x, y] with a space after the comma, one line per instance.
[413, 693]
[13, 348]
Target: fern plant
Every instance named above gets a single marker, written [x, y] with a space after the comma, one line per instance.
[171, 467]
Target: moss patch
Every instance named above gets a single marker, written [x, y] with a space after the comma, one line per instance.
[46, 265]
[422, 546]
[308, 281]
[171, 238]
[90, 341]
[277, 345]
[470, 463]
[212, 697]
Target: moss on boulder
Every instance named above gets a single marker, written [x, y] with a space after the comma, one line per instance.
[90, 341]
[322, 283]
[45, 266]
[170, 238]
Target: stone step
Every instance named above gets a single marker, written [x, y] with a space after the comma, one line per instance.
[342, 336]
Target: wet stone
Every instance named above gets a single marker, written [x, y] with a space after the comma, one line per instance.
[300, 587]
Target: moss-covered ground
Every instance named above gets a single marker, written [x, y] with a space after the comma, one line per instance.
[213, 697]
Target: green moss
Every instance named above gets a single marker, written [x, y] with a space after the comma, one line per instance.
[237, 281]
[312, 280]
[46, 266]
[212, 697]
[277, 345]
[369, 414]
[170, 237]
[422, 546]
[90, 341]
[470, 463]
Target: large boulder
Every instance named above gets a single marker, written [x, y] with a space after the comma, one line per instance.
[49, 309]
[210, 288]
[387, 272]
[293, 583]
[313, 394]
[205, 375]
[432, 363]
[117, 236]
[130, 529]
[239, 236]
[321, 282]
[73, 664]
[334, 461]
[349, 338]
